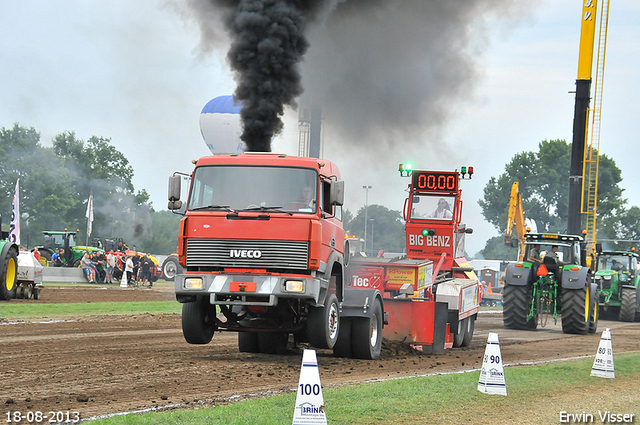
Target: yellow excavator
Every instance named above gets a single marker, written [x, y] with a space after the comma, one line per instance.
[516, 216]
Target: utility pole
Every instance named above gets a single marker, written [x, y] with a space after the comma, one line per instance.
[366, 218]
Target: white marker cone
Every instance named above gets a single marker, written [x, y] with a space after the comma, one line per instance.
[309, 402]
[123, 282]
[492, 373]
[603, 364]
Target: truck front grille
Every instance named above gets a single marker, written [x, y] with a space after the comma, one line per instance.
[205, 254]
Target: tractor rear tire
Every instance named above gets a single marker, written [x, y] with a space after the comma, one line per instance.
[628, 305]
[323, 324]
[468, 332]
[516, 308]
[366, 334]
[343, 344]
[9, 276]
[198, 321]
[575, 311]
[594, 315]
[248, 342]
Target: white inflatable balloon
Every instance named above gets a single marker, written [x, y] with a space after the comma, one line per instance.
[220, 125]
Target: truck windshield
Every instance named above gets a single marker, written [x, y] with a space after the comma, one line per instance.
[254, 188]
[431, 207]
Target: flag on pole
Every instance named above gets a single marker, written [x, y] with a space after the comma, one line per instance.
[89, 216]
[14, 229]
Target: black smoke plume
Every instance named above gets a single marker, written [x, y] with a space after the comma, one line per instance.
[386, 72]
[267, 48]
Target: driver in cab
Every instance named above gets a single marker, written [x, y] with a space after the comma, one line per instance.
[441, 211]
[306, 202]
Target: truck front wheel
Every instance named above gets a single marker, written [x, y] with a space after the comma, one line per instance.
[198, 321]
[324, 323]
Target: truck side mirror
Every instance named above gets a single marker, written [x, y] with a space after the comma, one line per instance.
[174, 192]
[336, 192]
[598, 248]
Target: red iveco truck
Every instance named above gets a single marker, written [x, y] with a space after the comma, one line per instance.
[263, 253]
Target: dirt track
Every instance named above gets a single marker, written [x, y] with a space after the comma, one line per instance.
[106, 364]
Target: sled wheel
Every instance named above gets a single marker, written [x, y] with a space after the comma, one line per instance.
[366, 334]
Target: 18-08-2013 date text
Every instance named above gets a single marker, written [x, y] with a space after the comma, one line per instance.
[38, 417]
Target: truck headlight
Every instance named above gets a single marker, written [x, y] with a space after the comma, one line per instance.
[294, 286]
[193, 283]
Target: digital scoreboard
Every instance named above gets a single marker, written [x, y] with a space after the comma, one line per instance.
[435, 181]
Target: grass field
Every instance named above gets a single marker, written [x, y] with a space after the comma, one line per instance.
[29, 311]
[537, 395]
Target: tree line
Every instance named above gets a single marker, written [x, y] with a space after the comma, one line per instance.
[56, 182]
[543, 176]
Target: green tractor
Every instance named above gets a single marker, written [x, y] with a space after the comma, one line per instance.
[551, 280]
[65, 239]
[617, 277]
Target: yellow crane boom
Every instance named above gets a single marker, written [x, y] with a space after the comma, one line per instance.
[516, 216]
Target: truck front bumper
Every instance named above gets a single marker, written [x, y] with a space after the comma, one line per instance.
[253, 290]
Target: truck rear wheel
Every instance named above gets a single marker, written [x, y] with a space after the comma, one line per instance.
[628, 305]
[197, 321]
[366, 334]
[516, 308]
[8, 276]
[248, 342]
[575, 311]
[343, 344]
[324, 323]
[273, 342]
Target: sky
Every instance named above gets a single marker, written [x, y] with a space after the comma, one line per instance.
[141, 72]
